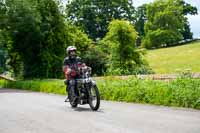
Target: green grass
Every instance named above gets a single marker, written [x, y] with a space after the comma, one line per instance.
[48, 86]
[180, 92]
[175, 59]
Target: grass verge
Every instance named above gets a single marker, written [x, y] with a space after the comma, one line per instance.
[179, 93]
[48, 86]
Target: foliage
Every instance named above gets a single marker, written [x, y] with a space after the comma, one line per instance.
[37, 30]
[37, 37]
[166, 23]
[34, 34]
[141, 19]
[3, 37]
[161, 38]
[181, 92]
[53, 38]
[96, 58]
[163, 24]
[121, 41]
[6, 41]
[94, 16]
[2, 60]
[3, 16]
[91, 53]
[76, 37]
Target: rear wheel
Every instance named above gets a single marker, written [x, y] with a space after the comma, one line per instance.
[94, 98]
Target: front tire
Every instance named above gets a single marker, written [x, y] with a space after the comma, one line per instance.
[94, 98]
[73, 104]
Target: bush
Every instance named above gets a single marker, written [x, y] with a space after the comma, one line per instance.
[181, 92]
[124, 57]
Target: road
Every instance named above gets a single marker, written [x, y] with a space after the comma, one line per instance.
[32, 112]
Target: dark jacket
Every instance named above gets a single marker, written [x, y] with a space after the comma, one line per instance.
[72, 63]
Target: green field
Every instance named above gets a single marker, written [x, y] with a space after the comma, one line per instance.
[175, 59]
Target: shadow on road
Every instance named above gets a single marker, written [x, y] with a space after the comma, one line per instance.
[87, 109]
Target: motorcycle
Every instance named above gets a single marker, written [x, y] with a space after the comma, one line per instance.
[86, 90]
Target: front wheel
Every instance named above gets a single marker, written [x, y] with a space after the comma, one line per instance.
[73, 103]
[94, 98]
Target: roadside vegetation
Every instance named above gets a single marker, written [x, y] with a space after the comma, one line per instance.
[182, 92]
[48, 86]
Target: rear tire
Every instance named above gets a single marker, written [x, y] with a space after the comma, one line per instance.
[94, 98]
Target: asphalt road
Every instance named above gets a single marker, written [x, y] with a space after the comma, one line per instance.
[32, 112]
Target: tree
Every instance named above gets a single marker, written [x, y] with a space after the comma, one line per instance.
[52, 38]
[96, 58]
[121, 41]
[3, 16]
[37, 30]
[12, 59]
[94, 16]
[141, 18]
[37, 38]
[76, 37]
[91, 53]
[2, 36]
[164, 22]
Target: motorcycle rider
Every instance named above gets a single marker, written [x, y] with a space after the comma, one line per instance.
[71, 66]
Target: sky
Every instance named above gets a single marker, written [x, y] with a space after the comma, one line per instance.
[193, 20]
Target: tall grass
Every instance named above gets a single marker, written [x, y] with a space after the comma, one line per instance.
[180, 92]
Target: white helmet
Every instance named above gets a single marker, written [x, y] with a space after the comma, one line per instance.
[70, 48]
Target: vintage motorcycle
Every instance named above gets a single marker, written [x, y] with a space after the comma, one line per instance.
[86, 90]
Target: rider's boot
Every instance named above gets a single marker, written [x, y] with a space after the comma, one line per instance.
[67, 99]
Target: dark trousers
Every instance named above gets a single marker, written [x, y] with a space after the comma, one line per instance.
[71, 86]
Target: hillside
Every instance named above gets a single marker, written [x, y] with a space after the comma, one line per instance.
[175, 59]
